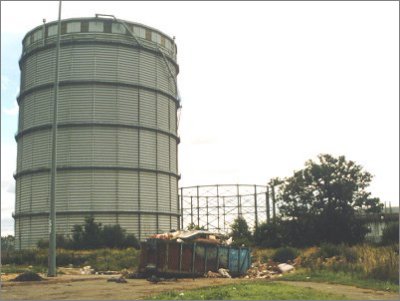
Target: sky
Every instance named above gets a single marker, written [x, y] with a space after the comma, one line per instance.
[265, 86]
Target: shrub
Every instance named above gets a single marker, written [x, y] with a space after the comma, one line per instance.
[61, 242]
[107, 259]
[285, 254]
[328, 250]
[390, 234]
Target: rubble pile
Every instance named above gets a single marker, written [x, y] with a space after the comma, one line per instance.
[86, 270]
[222, 273]
[210, 274]
[28, 276]
[267, 270]
[196, 236]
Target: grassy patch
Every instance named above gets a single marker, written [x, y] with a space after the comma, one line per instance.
[340, 277]
[101, 259]
[260, 290]
[12, 268]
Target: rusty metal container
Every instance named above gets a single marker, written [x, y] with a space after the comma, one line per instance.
[191, 259]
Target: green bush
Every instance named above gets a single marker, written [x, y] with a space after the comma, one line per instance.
[108, 259]
[328, 250]
[62, 242]
[390, 234]
[285, 254]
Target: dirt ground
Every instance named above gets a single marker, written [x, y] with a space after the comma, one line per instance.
[96, 287]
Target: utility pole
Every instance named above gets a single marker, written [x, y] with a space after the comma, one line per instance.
[52, 271]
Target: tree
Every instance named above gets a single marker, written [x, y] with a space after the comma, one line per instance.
[268, 235]
[7, 243]
[319, 202]
[240, 232]
[112, 236]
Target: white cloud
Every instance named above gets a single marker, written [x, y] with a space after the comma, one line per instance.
[13, 111]
[4, 82]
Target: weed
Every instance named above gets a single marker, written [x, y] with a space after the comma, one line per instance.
[260, 290]
[285, 254]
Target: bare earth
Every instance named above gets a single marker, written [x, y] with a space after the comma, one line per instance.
[89, 287]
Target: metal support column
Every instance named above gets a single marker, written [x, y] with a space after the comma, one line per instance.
[273, 203]
[267, 204]
[181, 225]
[208, 226]
[52, 271]
[198, 208]
[219, 229]
[255, 207]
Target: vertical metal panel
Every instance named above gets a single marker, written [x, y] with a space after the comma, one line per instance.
[129, 223]
[173, 155]
[103, 190]
[164, 222]
[147, 192]
[147, 66]
[128, 194]
[104, 146]
[162, 112]
[172, 114]
[163, 192]
[42, 107]
[29, 111]
[83, 62]
[174, 194]
[163, 152]
[29, 68]
[128, 147]
[41, 149]
[127, 105]
[147, 149]
[26, 188]
[105, 63]
[75, 104]
[27, 150]
[66, 63]
[147, 109]
[148, 225]
[44, 72]
[77, 146]
[105, 104]
[80, 191]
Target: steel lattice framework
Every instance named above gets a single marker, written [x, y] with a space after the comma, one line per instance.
[216, 206]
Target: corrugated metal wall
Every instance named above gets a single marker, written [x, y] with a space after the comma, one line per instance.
[117, 132]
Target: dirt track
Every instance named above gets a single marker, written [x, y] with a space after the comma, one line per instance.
[97, 288]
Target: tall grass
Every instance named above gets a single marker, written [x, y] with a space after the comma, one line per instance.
[362, 261]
